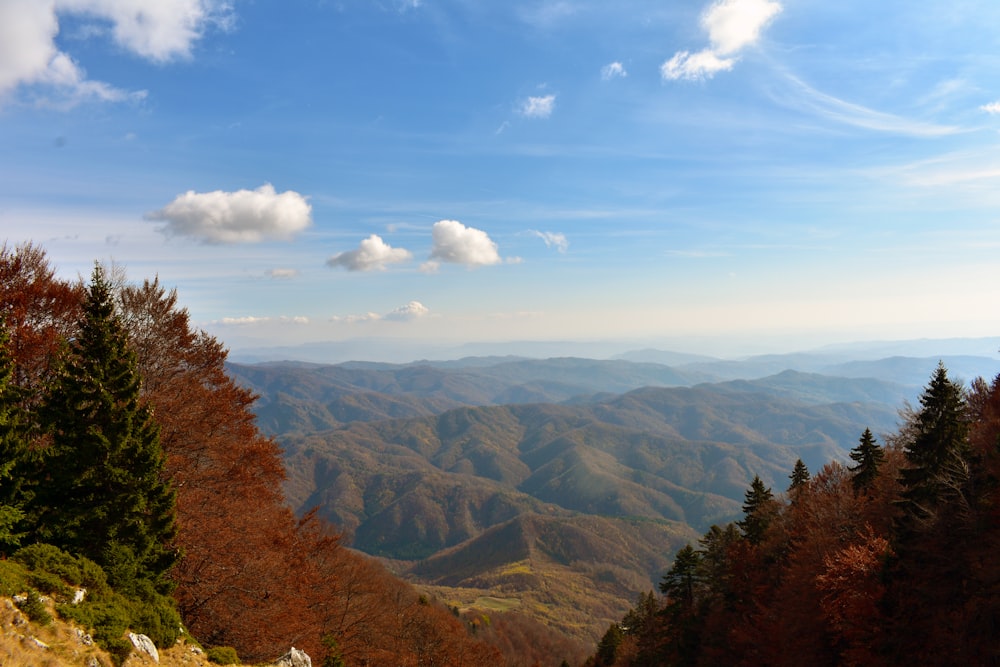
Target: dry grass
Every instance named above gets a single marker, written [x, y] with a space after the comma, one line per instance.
[59, 644]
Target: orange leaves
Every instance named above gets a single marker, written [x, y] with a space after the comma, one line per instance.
[852, 589]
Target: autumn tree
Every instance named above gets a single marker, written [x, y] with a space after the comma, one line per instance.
[244, 580]
[105, 495]
[40, 312]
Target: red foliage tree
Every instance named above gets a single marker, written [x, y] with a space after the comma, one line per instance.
[39, 309]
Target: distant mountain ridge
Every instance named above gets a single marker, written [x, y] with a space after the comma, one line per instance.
[402, 351]
[509, 476]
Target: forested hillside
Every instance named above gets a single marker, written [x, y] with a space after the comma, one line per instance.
[887, 560]
[566, 510]
[113, 369]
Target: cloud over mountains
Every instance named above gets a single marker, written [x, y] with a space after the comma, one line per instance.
[243, 216]
[372, 254]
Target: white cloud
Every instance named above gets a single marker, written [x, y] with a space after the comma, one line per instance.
[158, 31]
[732, 25]
[993, 108]
[555, 240]
[538, 107]
[372, 254]
[250, 320]
[454, 243]
[410, 311]
[244, 216]
[354, 319]
[282, 274]
[613, 70]
[694, 66]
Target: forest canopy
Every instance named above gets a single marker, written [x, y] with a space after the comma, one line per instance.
[890, 561]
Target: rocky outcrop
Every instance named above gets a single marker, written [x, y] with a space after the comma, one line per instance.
[294, 658]
[144, 644]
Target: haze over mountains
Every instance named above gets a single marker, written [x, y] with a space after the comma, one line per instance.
[564, 485]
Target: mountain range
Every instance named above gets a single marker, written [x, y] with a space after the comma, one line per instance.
[562, 486]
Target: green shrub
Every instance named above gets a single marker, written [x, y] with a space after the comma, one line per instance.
[157, 618]
[222, 655]
[13, 578]
[106, 613]
[34, 608]
[108, 621]
[110, 617]
[49, 583]
[74, 570]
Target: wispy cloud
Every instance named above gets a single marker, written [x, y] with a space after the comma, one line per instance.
[993, 108]
[547, 13]
[555, 240]
[406, 313]
[250, 320]
[613, 70]
[243, 216]
[372, 254]
[969, 169]
[731, 25]
[538, 107]
[807, 98]
[282, 274]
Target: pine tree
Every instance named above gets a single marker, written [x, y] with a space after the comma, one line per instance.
[937, 456]
[607, 648]
[869, 457]
[105, 496]
[13, 446]
[799, 477]
[758, 511]
[680, 581]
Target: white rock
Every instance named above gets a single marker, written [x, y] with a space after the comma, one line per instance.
[294, 658]
[144, 644]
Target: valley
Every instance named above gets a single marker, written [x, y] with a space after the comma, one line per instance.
[560, 487]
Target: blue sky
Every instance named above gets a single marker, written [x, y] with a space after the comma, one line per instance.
[709, 176]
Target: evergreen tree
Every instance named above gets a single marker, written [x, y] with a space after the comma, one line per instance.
[716, 546]
[105, 496]
[869, 457]
[937, 455]
[799, 477]
[679, 582]
[607, 648]
[758, 510]
[13, 446]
